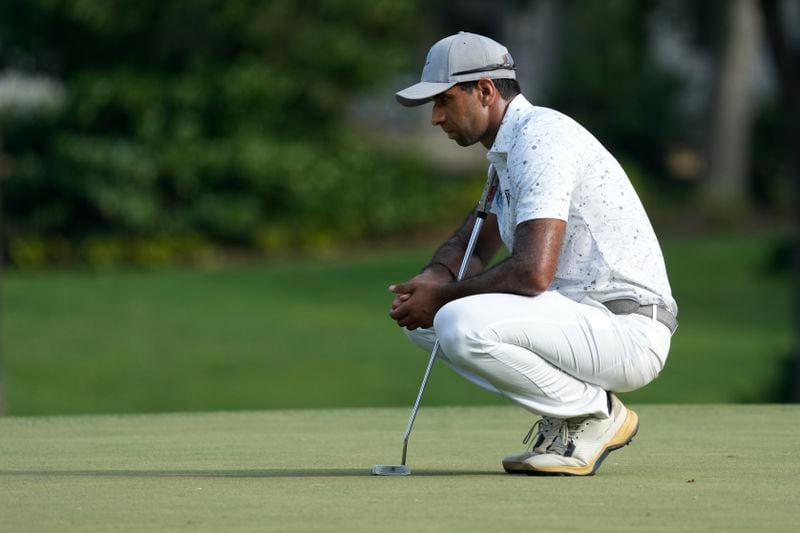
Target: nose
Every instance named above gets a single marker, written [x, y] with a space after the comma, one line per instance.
[437, 116]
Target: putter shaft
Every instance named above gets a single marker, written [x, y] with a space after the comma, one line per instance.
[476, 230]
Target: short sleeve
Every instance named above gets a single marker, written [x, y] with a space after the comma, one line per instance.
[542, 169]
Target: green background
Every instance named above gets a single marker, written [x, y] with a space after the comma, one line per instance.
[317, 334]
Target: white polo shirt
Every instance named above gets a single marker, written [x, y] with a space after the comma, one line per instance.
[549, 166]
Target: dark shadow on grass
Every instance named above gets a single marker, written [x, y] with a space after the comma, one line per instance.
[265, 473]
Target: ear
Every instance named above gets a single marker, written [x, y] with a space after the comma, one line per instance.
[487, 92]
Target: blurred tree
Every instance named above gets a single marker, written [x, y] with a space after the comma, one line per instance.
[3, 406]
[532, 30]
[609, 81]
[22, 100]
[736, 117]
[733, 108]
[217, 119]
[785, 48]
[592, 60]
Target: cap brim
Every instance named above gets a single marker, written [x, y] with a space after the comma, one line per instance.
[422, 92]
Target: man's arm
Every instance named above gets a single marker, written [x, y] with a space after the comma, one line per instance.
[449, 256]
[446, 262]
[528, 271]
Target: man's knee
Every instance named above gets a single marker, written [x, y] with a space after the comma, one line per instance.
[458, 331]
[422, 337]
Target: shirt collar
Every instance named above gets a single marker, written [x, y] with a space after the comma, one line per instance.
[507, 130]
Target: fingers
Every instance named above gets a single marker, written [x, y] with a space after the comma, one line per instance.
[409, 318]
[400, 288]
[398, 313]
[403, 311]
[399, 300]
[408, 322]
[404, 317]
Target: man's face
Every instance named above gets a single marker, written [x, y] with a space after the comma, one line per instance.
[461, 115]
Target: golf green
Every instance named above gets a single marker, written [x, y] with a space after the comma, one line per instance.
[709, 468]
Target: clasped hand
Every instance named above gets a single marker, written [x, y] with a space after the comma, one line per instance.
[417, 301]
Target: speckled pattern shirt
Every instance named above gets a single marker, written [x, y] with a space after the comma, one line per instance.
[549, 166]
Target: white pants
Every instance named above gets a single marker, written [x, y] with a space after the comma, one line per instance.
[549, 354]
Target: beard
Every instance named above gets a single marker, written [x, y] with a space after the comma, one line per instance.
[461, 139]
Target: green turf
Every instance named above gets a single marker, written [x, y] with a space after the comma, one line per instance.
[316, 333]
[691, 468]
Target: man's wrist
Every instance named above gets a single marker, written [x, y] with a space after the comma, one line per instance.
[441, 267]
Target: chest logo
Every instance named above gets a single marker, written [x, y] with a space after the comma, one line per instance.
[507, 194]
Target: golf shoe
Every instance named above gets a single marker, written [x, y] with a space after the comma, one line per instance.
[581, 444]
[539, 441]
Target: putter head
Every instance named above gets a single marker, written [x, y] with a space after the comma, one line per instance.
[390, 470]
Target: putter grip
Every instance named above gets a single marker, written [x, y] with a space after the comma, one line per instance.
[482, 210]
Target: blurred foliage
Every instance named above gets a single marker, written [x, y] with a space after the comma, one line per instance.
[770, 181]
[189, 124]
[171, 129]
[611, 84]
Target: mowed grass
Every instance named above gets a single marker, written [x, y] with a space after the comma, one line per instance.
[691, 468]
[316, 333]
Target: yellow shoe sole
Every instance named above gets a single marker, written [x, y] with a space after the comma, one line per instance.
[622, 438]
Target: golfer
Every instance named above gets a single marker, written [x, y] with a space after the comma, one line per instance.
[581, 308]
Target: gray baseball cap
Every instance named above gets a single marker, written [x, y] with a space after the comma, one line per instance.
[460, 57]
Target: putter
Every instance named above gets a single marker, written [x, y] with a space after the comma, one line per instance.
[481, 212]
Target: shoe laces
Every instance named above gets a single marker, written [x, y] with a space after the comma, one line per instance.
[568, 432]
[544, 426]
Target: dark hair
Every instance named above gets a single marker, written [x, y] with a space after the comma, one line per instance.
[507, 87]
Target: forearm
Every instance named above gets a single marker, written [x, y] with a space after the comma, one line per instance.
[508, 276]
[449, 266]
[530, 269]
[448, 258]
